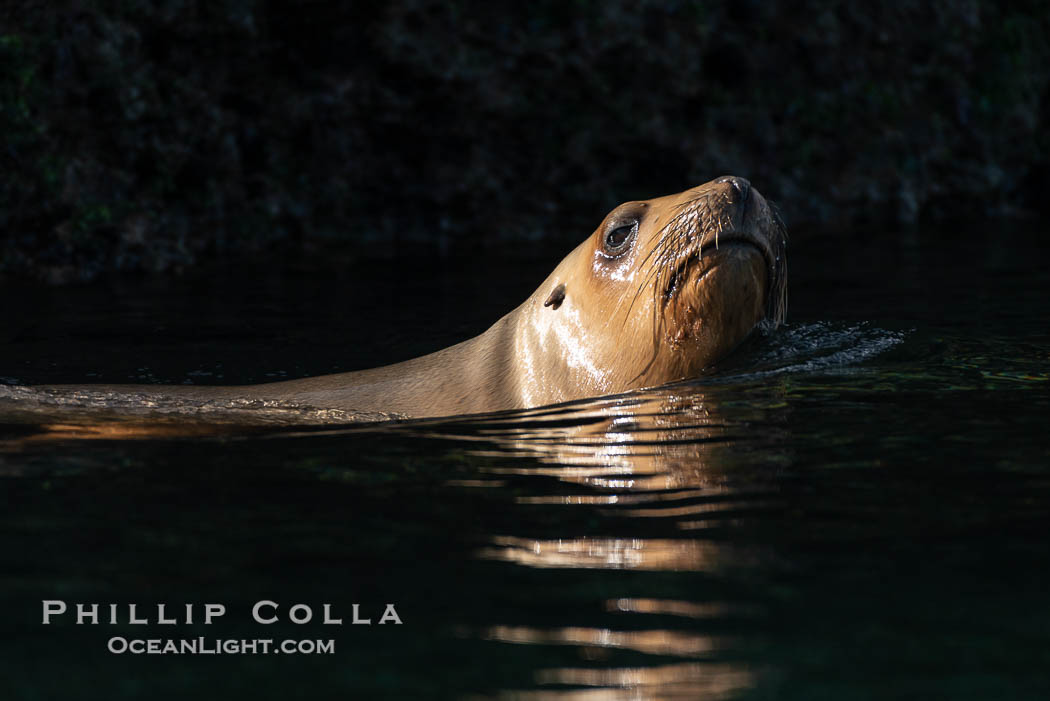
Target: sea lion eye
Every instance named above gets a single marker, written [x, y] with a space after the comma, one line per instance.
[616, 240]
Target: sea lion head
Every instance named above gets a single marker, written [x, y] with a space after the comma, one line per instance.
[661, 290]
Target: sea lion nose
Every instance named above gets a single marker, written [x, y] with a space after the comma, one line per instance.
[740, 187]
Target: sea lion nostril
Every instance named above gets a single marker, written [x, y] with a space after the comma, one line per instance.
[741, 187]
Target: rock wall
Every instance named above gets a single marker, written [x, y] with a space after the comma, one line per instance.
[153, 135]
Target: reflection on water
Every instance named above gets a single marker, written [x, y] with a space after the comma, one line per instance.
[675, 682]
[646, 455]
[603, 553]
[652, 642]
[85, 405]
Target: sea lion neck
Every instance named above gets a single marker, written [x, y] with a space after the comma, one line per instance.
[474, 376]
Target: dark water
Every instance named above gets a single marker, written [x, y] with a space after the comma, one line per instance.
[854, 506]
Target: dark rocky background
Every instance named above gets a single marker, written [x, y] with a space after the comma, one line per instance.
[154, 135]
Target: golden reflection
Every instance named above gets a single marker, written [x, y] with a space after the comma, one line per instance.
[646, 443]
[640, 458]
[604, 553]
[686, 681]
[687, 609]
[693, 681]
[113, 430]
[658, 454]
[651, 642]
[616, 498]
[42, 416]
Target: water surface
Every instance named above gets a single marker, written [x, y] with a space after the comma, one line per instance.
[853, 506]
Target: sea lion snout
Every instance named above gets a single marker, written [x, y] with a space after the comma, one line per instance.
[739, 188]
[731, 200]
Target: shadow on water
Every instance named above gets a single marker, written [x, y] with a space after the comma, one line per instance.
[854, 506]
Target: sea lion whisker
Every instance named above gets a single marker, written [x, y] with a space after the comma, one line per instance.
[698, 200]
[668, 235]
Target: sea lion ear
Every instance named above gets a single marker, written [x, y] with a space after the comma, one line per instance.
[556, 297]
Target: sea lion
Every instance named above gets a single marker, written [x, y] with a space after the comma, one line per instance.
[662, 289]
